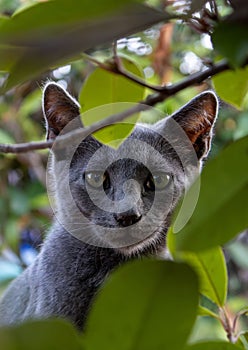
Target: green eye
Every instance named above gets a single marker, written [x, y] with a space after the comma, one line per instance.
[161, 180]
[95, 178]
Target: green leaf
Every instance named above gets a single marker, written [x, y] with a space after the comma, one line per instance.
[211, 269]
[8, 56]
[143, 307]
[102, 87]
[238, 251]
[20, 204]
[203, 311]
[54, 32]
[223, 197]
[210, 266]
[112, 94]
[5, 137]
[230, 40]
[218, 345]
[244, 340]
[232, 86]
[40, 335]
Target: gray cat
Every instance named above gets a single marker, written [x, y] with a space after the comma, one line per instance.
[112, 205]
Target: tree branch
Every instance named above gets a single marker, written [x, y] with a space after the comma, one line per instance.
[150, 101]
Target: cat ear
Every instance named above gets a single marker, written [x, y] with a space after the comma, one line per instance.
[197, 119]
[59, 108]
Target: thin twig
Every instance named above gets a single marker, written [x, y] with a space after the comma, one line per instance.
[150, 101]
[61, 141]
[117, 68]
[226, 323]
[25, 147]
[105, 66]
[237, 317]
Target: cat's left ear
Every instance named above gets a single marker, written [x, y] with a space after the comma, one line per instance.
[59, 109]
[197, 119]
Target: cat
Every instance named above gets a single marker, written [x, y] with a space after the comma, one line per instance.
[112, 205]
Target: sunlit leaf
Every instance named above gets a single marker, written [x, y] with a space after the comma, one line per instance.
[143, 307]
[210, 266]
[112, 94]
[211, 269]
[232, 86]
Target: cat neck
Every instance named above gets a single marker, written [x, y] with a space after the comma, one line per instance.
[73, 250]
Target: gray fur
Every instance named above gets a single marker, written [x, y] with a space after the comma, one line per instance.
[68, 272]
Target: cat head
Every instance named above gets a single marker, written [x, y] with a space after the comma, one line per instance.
[125, 198]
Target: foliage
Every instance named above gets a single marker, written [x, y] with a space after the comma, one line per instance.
[145, 304]
[226, 194]
[112, 89]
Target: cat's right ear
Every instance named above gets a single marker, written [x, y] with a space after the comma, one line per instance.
[197, 119]
[59, 108]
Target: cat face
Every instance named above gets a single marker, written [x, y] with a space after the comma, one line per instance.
[125, 198]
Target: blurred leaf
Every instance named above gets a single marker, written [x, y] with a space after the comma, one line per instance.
[230, 40]
[242, 124]
[239, 253]
[8, 5]
[111, 94]
[8, 55]
[212, 346]
[8, 270]
[207, 329]
[19, 202]
[143, 306]
[236, 303]
[39, 201]
[40, 335]
[30, 105]
[211, 269]
[11, 232]
[35, 39]
[232, 86]
[223, 197]
[5, 137]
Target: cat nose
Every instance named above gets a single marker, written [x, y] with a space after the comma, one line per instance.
[128, 218]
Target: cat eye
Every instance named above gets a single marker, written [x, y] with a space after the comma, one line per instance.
[161, 180]
[95, 178]
[157, 181]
